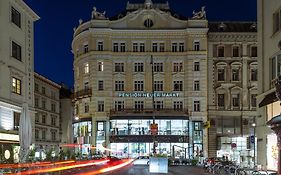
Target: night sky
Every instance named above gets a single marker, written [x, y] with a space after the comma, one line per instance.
[53, 32]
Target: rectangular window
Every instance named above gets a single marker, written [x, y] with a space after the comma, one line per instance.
[100, 66]
[43, 118]
[16, 86]
[254, 51]
[142, 47]
[53, 120]
[235, 75]
[276, 21]
[158, 67]
[36, 134]
[254, 100]
[181, 47]
[119, 85]
[178, 67]
[36, 102]
[86, 48]
[119, 67]
[154, 47]
[86, 85]
[275, 66]
[100, 85]
[100, 106]
[53, 107]
[162, 47]
[158, 105]
[196, 85]
[196, 106]
[53, 135]
[36, 118]
[178, 86]
[196, 66]
[43, 90]
[178, 106]
[36, 87]
[16, 121]
[254, 75]
[235, 100]
[86, 105]
[122, 47]
[138, 105]
[16, 17]
[158, 85]
[43, 104]
[174, 47]
[135, 47]
[196, 46]
[16, 51]
[220, 100]
[221, 51]
[119, 105]
[139, 86]
[115, 47]
[235, 51]
[100, 46]
[43, 134]
[138, 67]
[86, 68]
[220, 74]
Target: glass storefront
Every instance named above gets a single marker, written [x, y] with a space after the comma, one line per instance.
[82, 132]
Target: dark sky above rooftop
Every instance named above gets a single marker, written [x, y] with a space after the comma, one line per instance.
[53, 32]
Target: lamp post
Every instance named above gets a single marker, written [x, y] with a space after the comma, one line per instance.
[254, 142]
[153, 104]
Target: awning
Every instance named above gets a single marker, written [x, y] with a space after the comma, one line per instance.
[275, 120]
[269, 98]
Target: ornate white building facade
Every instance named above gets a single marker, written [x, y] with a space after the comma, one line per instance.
[113, 60]
[16, 72]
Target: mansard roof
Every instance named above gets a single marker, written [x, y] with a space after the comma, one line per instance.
[233, 26]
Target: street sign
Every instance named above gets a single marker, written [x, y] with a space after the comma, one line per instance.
[252, 139]
[154, 129]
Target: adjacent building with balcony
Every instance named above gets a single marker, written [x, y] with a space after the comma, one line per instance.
[269, 40]
[143, 64]
[16, 72]
[232, 90]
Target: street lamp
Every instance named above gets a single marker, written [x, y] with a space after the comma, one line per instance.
[153, 105]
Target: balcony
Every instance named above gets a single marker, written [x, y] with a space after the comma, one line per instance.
[85, 93]
[147, 113]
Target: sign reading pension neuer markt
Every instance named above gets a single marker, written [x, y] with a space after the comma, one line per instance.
[145, 94]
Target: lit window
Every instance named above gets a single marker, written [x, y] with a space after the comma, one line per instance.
[16, 86]
[86, 68]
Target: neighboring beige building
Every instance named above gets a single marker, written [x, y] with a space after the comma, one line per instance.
[113, 81]
[16, 71]
[269, 37]
[47, 117]
[232, 83]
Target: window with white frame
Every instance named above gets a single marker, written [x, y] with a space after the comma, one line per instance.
[158, 67]
[16, 51]
[158, 85]
[16, 86]
[119, 67]
[135, 47]
[100, 66]
[158, 105]
[154, 47]
[181, 47]
[235, 74]
[138, 67]
[122, 47]
[275, 66]
[178, 86]
[178, 105]
[100, 85]
[196, 45]
[139, 105]
[196, 106]
[119, 105]
[100, 45]
[119, 85]
[178, 67]
[235, 100]
[162, 47]
[100, 106]
[196, 85]
[115, 47]
[196, 66]
[142, 47]
[15, 17]
[86, 68]
[139, 86]
[86, 48]
[174, 47]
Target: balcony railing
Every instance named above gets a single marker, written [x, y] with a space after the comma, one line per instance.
[85, 93]
[148, 111]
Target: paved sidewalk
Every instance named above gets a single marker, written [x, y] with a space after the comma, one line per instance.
[173, 170]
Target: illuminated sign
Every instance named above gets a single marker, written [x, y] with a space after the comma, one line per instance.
[144, 94]
[11, 137]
